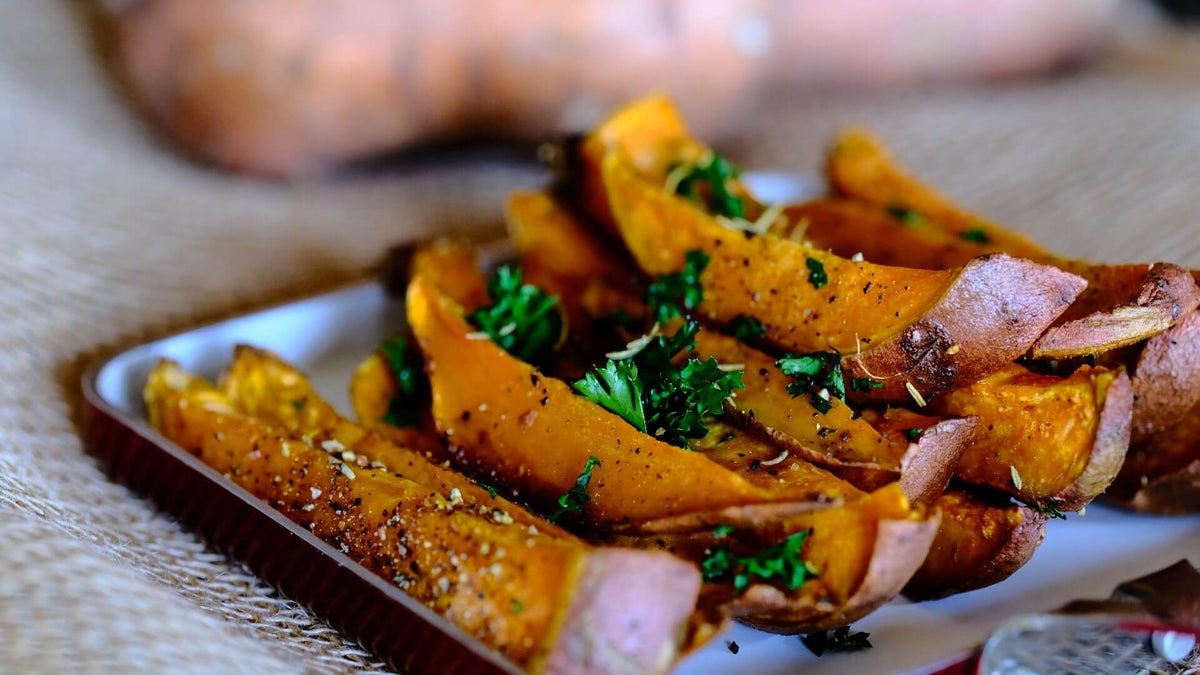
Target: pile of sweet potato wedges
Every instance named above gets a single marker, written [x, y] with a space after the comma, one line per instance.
[910, 393]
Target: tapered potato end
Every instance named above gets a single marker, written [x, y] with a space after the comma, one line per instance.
[980, 542]
[931, 461]
[1166, 379]
[1174, 493]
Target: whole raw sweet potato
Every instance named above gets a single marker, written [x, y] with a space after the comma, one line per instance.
[906, 328]
[547, 601]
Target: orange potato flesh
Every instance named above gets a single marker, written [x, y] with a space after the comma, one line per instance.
[523, 602]
[454, 266]
[1065, 437]
[864, 551]
[510, 424]
[980, 542]
[262, 385]
[372, 388]
[859, 167]
[932, 330]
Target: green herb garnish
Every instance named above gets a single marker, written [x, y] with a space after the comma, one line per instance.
[781, 561]
[816, 273]
[977, 235]
[746, 327]
[905, 215]
[837, 640]
[523, 319]
[656, 395]
[1050, 509]
[722, 531]
[517, 607]
[676, 292]
[912, 434]
[617, 388]
[492, 492]
[716, 172]
[819, 375]
[299, 403]
[412, 387]
[577, 496]
[864, 384]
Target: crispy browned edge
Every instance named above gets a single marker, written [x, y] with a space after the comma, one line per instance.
[1019, 545]
[900, 548]
[991, 307]
[1108, 448]
[1174, 493]
[596, 636]
[1166, 379]
[1168, 292]
[924, 471]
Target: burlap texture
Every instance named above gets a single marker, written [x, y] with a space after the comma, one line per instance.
[110, 238]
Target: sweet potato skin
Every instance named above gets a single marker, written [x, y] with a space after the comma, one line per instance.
[1162, 474]
[1065, 437]
[1166, 379]
[933, 329]
[531, 432]
[980, 542]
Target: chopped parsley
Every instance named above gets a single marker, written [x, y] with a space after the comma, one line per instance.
[837, 640]
[977, 235]
[816, 273]
[781, 561]
[617, 388]
[905, 215]
[523, 320]
[912, 434]
[299, 403]
[1050, 509]
[656, 395]
[716, 172]
[819, 375]
[492, 492]
[412, 387]
[577, 496]
[677, 292]
[517, 607]
[746, 327]
[864, 384]
[722, 531]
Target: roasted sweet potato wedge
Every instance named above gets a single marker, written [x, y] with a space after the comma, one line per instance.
[1166, 379]
[372, 391]
[548, 602]
[510, 424]
[838, 437]
[932, 330]
[980, 542]
[1162, 474]
[859, 166]
[1123, 304]
[1042, 438]
[863, 553]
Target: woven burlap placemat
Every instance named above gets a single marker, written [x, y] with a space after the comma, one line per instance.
[110, 238]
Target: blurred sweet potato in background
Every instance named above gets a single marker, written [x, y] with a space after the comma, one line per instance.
[295, 87]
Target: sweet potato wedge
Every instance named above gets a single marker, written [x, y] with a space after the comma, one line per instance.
[980, 542]
[372, 389]
[863, 551]
[259, 384]
[837, 438]
[550, 603]
[1166, 379]
[1122, 305]
[510, 424]
[858, 166]
[1042, 438]
[932, 330]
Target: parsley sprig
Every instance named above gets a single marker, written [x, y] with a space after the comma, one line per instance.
[658, 396]
[577, 496]
[715, 172]
[781, 561]
[837, 640]
[523, 319]
[746, 327]
[819, 375]
[412, 387]
[673, 293]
